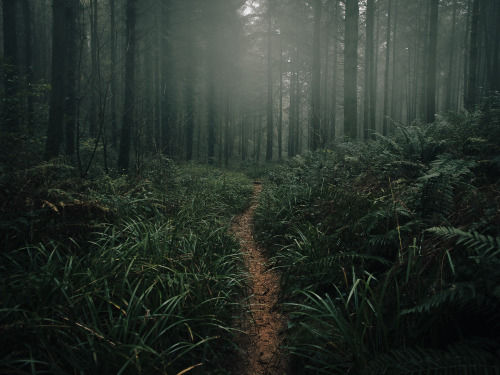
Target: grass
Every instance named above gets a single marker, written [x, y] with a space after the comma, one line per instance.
[154, 289]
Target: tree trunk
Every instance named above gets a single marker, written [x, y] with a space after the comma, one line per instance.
[316, 77]
[432, 62]
[449, 80]
[57, 95]
[113, 85]
[333, 121]
[11, 110]
[386, 74]
[72, 8]
[190, 96]
[368, 105]
[471, 98]
[28, 48]
[129, 96]
[269, 148]
[94, 70]
[280, 118]
[351, 69]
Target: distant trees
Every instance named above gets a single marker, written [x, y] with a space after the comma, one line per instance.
[231, 79]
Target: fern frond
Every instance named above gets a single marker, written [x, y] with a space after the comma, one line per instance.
[484, 247]
[462, 292]
[458, 359]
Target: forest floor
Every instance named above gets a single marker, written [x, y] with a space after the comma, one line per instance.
[262, 330]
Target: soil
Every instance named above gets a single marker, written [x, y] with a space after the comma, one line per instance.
[264, 326]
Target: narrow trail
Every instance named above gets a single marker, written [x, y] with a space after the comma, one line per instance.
[263, 330]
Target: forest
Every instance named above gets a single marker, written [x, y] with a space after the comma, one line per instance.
[250, 187]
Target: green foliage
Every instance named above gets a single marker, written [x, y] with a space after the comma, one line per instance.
[389, 250]
[152, 287]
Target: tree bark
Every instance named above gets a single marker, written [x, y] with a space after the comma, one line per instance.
[432, 62]
[11, 112]
[72, 8]
[386, 74]
[269, 148]
[368, 105]
[129, 96]
[190, 96]
[57, 94]
[449, 80]
[351, 69]
[316, 77]
[471, 98]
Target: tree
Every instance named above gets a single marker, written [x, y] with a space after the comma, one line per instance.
[351, 69]
[316, 76]
[431, 62]
[190, 94]
[471, 95]
[57, 94]
[11, 115]
[386, 74]
[129, 97]
[369, 105]
[113, 85]
[71, 102]
[269, 144]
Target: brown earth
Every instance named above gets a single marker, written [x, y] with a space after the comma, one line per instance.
[264, 326]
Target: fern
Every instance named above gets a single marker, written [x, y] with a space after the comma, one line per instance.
[459, 292]
[460, 358]
[482, 247]
[439, 185]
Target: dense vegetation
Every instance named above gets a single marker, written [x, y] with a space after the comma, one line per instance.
[390, 250]
[119, 275]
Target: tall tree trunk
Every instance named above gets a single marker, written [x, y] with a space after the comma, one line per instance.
[471, 99]
[280, 118]
[28, 48]
[449, 80]
[11, 110]
[113, 85]
[57, 95]
[432, 62]
[333, 122]
[190, 96]
[496, 50]
[394, 98]
[94, 70]
[269, 148]
[72, 8]
[386, 74]
[211, 99]
[291, 117]
[351, 69]
[368, 105]
[325, 126]
[129, 96]
[168, 115]
[316, 77]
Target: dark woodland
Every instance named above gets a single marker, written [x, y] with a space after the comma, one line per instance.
[357, 141]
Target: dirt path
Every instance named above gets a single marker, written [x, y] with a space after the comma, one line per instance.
[263, 329]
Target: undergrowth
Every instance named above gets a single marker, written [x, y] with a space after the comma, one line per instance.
[390, 250]
[120, 275]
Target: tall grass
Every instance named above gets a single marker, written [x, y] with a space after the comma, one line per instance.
[153, 291]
